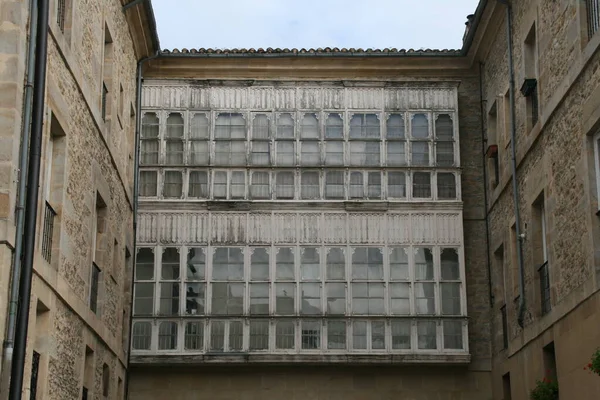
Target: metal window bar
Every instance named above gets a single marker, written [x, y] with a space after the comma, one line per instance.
[104, 97]
[544, 272]
[94, 288]
[61, 12]
[593, 16]
[504, 327]
[48, 231]
[35, 364]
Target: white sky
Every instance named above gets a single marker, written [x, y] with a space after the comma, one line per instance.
[402, 24]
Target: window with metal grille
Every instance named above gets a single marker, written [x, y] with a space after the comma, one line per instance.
[544, 274]
[61, 13]
[421, 185]
[593, 16]
[142, 335]
[194, 336]
[167, 335]
[94, 287]
[47, 234]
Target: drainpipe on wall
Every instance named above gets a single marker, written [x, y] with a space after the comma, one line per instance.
[138, 126]
[513, 135]
[485, 181]
[31, 202]
[20, 208]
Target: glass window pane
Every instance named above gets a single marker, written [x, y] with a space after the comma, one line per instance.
[400, 335]
[284, 264]
[336, 298]
[310, 127]
[311, 153]
[174, 126]
[220, 185]
[259, 264]
[450, 298]
[199, 152]
[334, 185]
[377, 335]
[260, 127]
[450, 265]
[236, 335]
[170, 263]
[399, 263]
[227, 298]
[199, 128]
[238, 185]
[444, 153]
[167, 336]
[284, 185]
[395, 126]
[259, 335]
[261, 153]
[426, 335]
[195, 294]
[149, 151]
[148, 183]
[169, 298]
[310, 298]
[396, 153]
[420, 126]
[423, 264]
[285, 296]
[364, 126]
[141, 336]
[196, 263]
[311, 335]
[194, 336]
[425, 298]
[334, 153]
[444, 127]
[420, 153]
[261, 185]
[143, 302]
[359, 335]
[421, 185]
[334, 127]
[453, 335]
[144, 266]
[310, 265]
[400, 298]
[336, 264]
[259, 298]
[173, 184]
[286, 153]
[374, 185]
[285, 126]
[230, 126]
[365, 153]
[174, 152]
[150, 126]
[217, 335]
[367, 263]
[310, 186]
[198, 185]
[356, 185]
[285, 335]
[446, 186]
[336, 335]
[367, 298]
[228, 264]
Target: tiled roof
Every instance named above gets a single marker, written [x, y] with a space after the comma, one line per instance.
[327, 51]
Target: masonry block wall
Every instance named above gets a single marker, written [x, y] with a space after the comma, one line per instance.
[78, 332]
[557, 183]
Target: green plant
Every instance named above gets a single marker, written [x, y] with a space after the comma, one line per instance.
[546, 389]
[594, 365]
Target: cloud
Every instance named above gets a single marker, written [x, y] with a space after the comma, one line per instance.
[312, 23]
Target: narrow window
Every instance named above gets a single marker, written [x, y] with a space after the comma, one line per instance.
[530, 87]
[374, 185]
[357, 189]
[446, 186]
[504, 327]
[309, 127]
[453, 339]
[88, 374]
[540, 252]
[593, 16]
[105, 380]
[220, 185]
[195, 287]
[420, 140]
[169, 281]
[100, 251]
[148, 185]
[401, 335]
[285, 126]
[260, 146]
[167, 335]
[311, 334]
[285, 335]
[236, 335]
[506, 389]
[284, 185]
[237, 188]
[549, 356]
[396, 140]
[259, 335]
[336, 335]
[334, 126]
[173, 184]
[143, 300]
[107, 73]
[396, 185]
[174, 139]
[426, 335]
[120, 106]
[194, 336]
[149, 143]
[334, 185]
[596, 145]
[198, 185]
[198, 138]
[421, 185]
[260, 187]
[310, 186]
[444, 140]
[61, 14]
[142, 335]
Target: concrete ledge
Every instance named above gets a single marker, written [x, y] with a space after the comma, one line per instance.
[281, 359]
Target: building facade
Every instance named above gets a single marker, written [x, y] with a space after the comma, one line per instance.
[306, 235]
[79, 315]
[556, 59]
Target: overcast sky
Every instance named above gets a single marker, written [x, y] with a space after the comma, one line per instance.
[312, 23]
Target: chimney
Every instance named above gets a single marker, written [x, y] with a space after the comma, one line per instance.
[468, 24]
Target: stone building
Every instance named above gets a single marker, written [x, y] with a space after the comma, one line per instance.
[79, 316]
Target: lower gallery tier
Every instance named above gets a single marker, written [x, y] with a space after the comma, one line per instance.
[309, 383]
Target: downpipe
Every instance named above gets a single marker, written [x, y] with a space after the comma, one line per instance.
[513, 135]
[31, 200]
